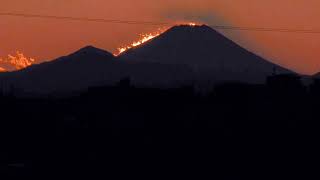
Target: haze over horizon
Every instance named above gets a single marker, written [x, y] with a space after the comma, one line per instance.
[54, 38]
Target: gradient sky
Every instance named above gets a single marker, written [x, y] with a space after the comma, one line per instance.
[46, 39]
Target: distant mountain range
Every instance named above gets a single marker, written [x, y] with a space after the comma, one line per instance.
[91, 67]
[180, 56]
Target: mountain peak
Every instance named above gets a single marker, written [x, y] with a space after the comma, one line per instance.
[91, 50]
[207, 51]
[88, 56]
[191, 28]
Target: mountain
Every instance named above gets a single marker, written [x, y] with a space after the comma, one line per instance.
[317, 75]
[209, 53]
[181, 55]
[90, 67]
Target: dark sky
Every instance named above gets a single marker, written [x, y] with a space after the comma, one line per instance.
[46, 39]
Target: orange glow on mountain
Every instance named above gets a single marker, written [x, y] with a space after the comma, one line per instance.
[17, 62]
[147, 37]
[192, 24]
[143, 39]
[2, 69]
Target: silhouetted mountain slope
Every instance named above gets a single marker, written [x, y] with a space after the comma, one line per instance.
[211, 54]
[317, 75]
[90, 67]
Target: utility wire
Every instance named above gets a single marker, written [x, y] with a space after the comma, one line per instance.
[84, 19]
[116, 21]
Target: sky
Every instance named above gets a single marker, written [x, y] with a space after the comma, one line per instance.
[47, 39]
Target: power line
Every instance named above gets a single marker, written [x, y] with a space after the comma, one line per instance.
[84, 19]
[268, 29]
[153, 23]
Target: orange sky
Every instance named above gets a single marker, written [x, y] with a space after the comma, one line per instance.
[46, 39]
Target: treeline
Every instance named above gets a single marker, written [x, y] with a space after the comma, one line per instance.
[123, 130]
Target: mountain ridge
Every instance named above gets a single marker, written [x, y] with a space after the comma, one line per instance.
[207, 51]
[183, 55]
[89, 67]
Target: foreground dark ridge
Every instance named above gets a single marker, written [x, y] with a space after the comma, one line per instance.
[241, 130]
